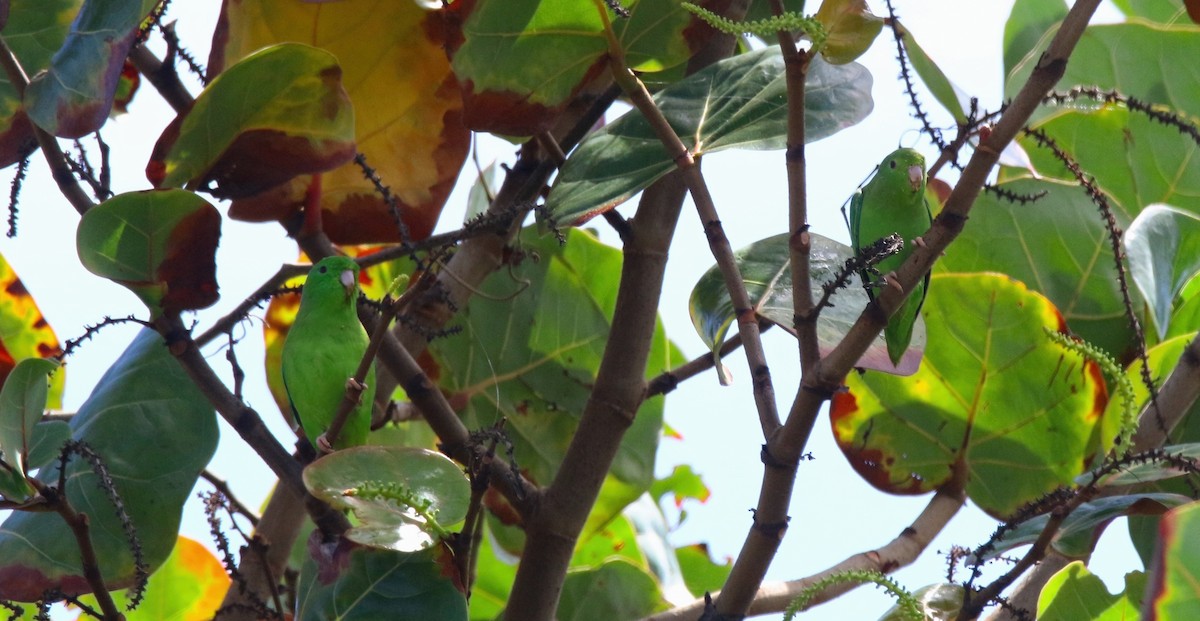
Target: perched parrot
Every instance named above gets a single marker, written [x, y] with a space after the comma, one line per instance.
[893, 201]
[322, 352]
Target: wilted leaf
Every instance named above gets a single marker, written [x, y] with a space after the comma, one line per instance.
[766, 269]
[850, 27]
[407, 110]
[279, 113]
[34, 32]
[154, 431]
[994, 399]
[424, 476]
[160, 244]
[740, 102]
[74, 97]
[24, 332]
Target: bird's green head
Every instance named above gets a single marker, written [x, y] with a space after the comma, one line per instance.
[332, 278]
[904, 169]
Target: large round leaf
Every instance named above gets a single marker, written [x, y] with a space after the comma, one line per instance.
[740, 102]
[162, 245]
[766, 269]
[1176, 569]
[154, 431]
[995, 399]
[423, 478]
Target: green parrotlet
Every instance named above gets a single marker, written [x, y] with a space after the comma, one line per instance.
[893, 201]
[322, 352]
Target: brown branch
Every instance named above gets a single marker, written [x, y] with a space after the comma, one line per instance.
[55, 158]
[896, 554]
[668, 381]
[164, 78]
[278, 529]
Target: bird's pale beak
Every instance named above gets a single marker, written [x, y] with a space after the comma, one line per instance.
[916, 175]
[348, 281]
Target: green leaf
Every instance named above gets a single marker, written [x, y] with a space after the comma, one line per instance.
[155, 431]
[434, 487]
[276, 114]
[994, 397]
[522, 60]
[34, 31]
[944, 91]
[700, 572]
[1135, 160]
[615, 590]
[1163, 245]
[530, 349]
[1176, 570]
[1075, 594]
[74, 97]
[937, 602]
[766, 269]
[1116, 56]
[352, 583]
[1163, 11]
[160, 244]
[1028, 22]
[48, 440]
[682, 483]
[1080, 531]
[1058, 247]
[740, 102]
[22, 401]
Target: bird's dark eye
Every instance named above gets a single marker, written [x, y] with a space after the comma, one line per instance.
[892, 163]
[325, 269]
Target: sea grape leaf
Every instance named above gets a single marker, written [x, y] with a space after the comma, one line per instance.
[617, 589]
[1115, 56]
[34, 31]
[278, 113]
[354, 583]
[154, 431]
[22, 401]
[520, 61]
[1135, 160]
[1058, 247]
[1076, 594]
[766, 269]
[1163, 11]
[74, 96]
[700, 572]
[530, 348]
[952, 98]
[1163, 246]
[1080, 531]
[425, 476]
[160, 244]
[191, 584]
[739, 102]
[24, 332]
[1176, 568]
[938, 602]
[1027, 24]
[995, 399]
[407, 111]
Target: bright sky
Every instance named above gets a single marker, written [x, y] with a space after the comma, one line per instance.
[834, 514]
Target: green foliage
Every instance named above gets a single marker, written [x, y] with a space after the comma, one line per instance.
[1113, 371]
[764, 27]
[1075, 594]
[909, 607]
